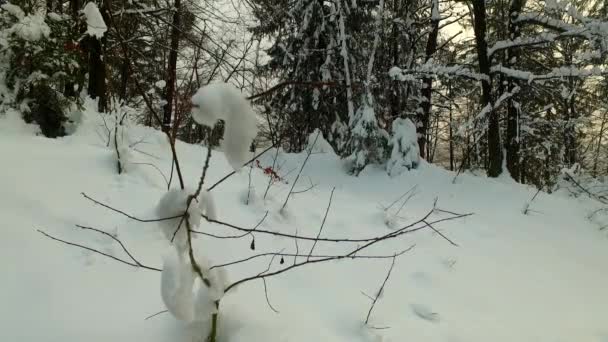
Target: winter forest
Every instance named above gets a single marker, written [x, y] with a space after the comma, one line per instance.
[304, 170]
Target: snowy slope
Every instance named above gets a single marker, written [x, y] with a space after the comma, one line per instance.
[514, 277]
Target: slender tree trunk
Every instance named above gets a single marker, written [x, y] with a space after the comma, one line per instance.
[97, 66]
[427, 83]
[451, 129]
[171, 67]
[395, 88]
[97, 72]
[599, 145]
[512, 57]
[124, 79]
[494, 167]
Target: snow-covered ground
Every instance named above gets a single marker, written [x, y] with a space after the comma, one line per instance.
[513, 277]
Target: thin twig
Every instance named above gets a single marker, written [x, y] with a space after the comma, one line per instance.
[157, 169]
[281, 254]
[267, 299]
[98, 252]
[527, 206]
[271, 179]
[156, 314]
[128, 215]
[379, 294]
[113, 238]
[440, 234]
[301, 169]
[309, 238]
[233, 172]
[331, 196]
[309, 262]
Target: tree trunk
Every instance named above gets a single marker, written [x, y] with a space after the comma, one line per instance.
[599, 145]
[451, 130]
[124, 79]
[171, 67]
[512, 56]
[427, 84]
[395, 88]
[493, 133]
[97, 72]
[97, 65]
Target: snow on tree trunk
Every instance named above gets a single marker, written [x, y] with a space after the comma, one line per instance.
[405, 154]
[96, 26]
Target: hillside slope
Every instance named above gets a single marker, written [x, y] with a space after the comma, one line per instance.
[513, 277]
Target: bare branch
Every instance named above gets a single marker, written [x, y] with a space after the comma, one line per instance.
[301, 169]
[379, 294]
[128, 215]
[99, 252]
[322, 223]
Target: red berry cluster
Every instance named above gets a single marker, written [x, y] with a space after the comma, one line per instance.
[270, 172]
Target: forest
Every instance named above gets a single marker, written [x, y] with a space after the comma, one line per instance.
[304, 170]
[498, 86]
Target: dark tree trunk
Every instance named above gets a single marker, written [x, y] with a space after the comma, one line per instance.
[427, 90]
[171, 67]
[494, 150]
[451, 129]
[395, 89]
[97, 72]
[512, 57]
[74, 8]
[124, 79]
[570, 116]
[97, 65]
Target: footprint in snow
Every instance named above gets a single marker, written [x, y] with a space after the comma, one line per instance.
[421, 279]
[448, 263]
[424, 312]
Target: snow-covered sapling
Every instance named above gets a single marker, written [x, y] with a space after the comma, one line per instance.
[405, 154]
[190, 288]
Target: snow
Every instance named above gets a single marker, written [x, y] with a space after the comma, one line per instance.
[405, 152]
[174, 203]
[177, 280]
[318, 144]
[31, 27]
[223, 101]
[538, 277]
[186, 298]
[96, 26]
[11, 123]
[14, 10]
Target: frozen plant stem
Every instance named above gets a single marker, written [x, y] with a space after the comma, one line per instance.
[301, 169]
[331, 196]
[270, 180]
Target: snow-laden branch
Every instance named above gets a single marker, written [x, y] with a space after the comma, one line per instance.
[555, 73]
[430, 69]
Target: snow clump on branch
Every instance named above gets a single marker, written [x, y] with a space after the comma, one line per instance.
[186, 297]
[223, 101]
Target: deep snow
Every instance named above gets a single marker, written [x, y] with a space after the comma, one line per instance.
[514, 277]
